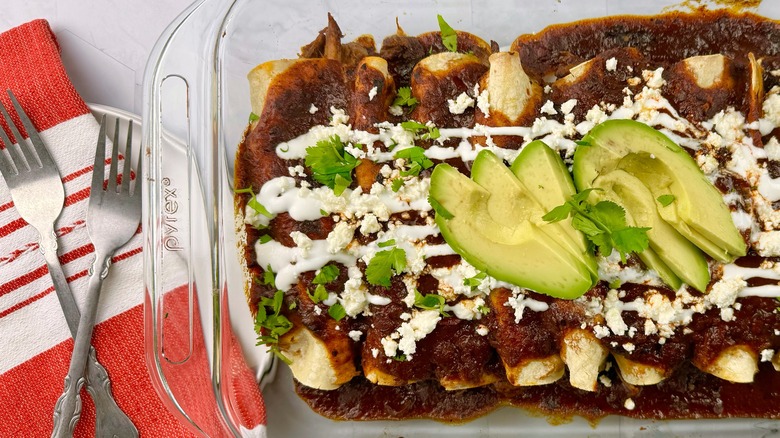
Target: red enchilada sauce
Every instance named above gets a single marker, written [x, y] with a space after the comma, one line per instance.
[640, 42]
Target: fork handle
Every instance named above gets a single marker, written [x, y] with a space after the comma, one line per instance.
[67, 410]
[110, 421]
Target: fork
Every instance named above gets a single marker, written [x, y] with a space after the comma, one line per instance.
[113, 216]
[38, 195]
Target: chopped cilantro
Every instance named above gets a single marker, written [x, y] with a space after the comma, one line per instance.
[326, 275]
[439, 209]
[320, 294]
[386, 243]
[448, 35]
[417, 160]
[483, 309]
[271, 326]
[665, 200]
[404, 97]
[265, 238]
[603, 224]
[269, 278]
[253, 117]
[337, 312]
[430, 302]
[428, 132]
[474, 281]
[614, 284]
[253, 203]
[384, 264]
[397, 184]
[331, 165]
[399, 357]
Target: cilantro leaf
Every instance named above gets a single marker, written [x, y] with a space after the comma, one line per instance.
[474, 281]
[384, 264]
[271, 326]
[665, 200]
[630, 239]
[415, 127]
[326, 275]
[558, 213]
[448, 35]
[253, 117]
[439, 209]
[430, 302]
[265, 238]
[337, 312]
[603, 224]
[416, 157]
[610, 215]
[320, 294]
[404, 97]
[386, 243]
[244, 190]
[397, 184]
[269, 278]
[331, 165]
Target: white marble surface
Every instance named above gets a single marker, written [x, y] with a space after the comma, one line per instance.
[104, 44]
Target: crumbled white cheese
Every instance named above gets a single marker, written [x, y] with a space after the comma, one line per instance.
[396, 110]
[482, 330]
[611, 64]
[600, 331]
[355, 335]
[372, 94]
[313, 109]
[725, 291]
[519, 302]
[772, 149]
[483, 100]
[354, 298]
[340, 116]
[317, 310]
[303, 242]
[628, 346]
[629, 404]
[569, 105]
[606, 381]
[419, 325]
[369, 224]
[340, 237]
[548, 108]
[297, 171]
[654, 78]
[467, 309]
[707, 163]
[771, 106]
[768, 244]
[460, 104]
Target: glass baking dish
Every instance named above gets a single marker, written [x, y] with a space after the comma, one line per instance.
[195, 112]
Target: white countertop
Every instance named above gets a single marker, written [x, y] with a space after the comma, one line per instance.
[104, 44]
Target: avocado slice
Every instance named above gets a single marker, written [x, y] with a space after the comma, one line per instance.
[676, 252]
[698, 212]
[544, 176]
[518, 251]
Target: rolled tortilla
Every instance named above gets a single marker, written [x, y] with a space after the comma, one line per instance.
[637, 373]
[585, 356]
[738, 364]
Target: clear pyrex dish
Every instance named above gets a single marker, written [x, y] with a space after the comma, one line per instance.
[195, 112]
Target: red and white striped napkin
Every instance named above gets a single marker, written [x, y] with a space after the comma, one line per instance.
[35, 344]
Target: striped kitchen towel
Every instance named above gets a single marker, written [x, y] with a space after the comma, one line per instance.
[35, 344]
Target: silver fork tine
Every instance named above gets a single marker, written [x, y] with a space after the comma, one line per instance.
[29, 155]
[6, 166]
[114, 160]
[17, 156]
[100, 160]
[35, 138]
[128, 155]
